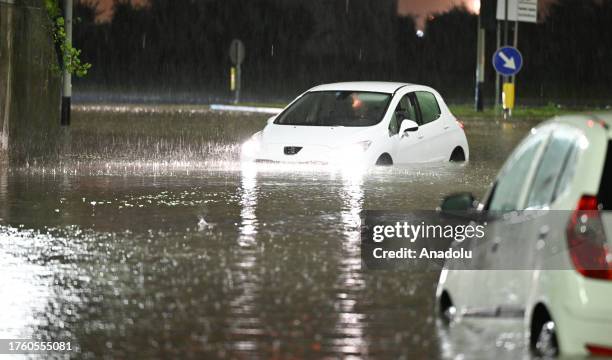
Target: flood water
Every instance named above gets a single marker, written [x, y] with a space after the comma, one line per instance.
[146, 238]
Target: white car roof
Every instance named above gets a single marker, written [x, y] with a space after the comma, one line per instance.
[374, 86]
[606, 118]
[582, 121]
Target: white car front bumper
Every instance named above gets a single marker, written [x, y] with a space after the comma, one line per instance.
[304, 154]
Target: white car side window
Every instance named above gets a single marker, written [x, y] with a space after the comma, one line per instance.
[404, 110]
[430, 109]
[551, 166]
[569, 171]
[511, 183]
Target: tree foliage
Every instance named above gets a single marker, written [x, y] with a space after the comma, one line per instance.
[70, 56]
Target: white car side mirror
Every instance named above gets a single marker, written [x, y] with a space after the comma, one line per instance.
[271, 120]
[408, 126]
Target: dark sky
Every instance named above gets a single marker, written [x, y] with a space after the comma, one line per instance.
[418, 8]
[303, 43]
[421, 9]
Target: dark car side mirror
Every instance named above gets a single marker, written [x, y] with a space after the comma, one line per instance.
[458, 202]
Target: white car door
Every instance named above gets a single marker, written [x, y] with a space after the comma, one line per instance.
[505, 248]
[408, 147]
[507, 195]
[536, 226]
[433, 127]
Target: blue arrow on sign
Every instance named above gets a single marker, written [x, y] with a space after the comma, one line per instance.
[507, 61]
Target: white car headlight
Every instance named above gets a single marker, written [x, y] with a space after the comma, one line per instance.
[252, 146]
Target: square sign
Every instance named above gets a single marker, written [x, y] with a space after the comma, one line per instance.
[521, 10]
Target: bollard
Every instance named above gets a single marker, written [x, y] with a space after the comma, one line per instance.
[233, 79]
[508, 96]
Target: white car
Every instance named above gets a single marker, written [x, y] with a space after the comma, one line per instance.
[361, 122]
[552, 263]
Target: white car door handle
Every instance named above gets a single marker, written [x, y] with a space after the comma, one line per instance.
[495, 245]
[543, 233]
[446, 127]
[420, 136]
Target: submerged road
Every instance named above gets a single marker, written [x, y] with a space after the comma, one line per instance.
[147, 239]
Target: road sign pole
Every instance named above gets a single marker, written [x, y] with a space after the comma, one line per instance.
[236, 54]
[507, 61]
[505, 43]
[238, 83]
[516, 31]
[497, 75]
[506, 22]
[480, 66]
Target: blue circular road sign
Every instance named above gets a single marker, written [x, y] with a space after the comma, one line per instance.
[507, 61]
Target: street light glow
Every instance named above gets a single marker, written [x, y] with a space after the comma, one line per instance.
[474, 6]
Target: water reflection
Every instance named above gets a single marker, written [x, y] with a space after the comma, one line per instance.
[248, 203]
[244, 322]
[350, 323]
[22, 284]
[352, 195]
[168, 247]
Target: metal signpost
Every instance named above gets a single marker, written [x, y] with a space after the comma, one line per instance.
[480, 66]
[508, 60]
[236, 53]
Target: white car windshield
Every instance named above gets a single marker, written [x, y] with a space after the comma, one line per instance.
[336, 108]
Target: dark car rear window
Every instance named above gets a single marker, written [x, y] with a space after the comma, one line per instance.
[605, 187]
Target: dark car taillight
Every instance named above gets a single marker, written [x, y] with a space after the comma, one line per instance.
[587, 242]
